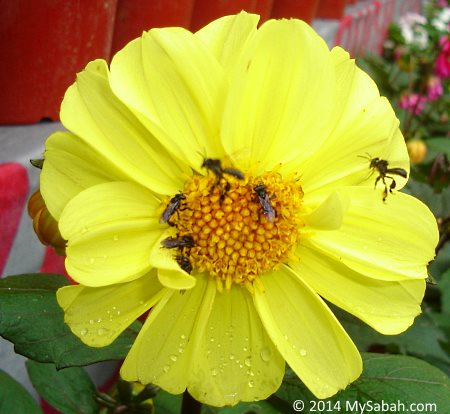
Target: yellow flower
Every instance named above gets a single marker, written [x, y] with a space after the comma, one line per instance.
[243, 148]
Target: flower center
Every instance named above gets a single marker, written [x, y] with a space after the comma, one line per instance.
[238, 229]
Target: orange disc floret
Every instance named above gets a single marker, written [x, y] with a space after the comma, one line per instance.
[239, 233]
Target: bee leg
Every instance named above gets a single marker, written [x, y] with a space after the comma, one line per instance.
[385, 193]
[376, 181]
[225, 191]
[393, 185]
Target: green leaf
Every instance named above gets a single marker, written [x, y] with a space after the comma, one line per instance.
[31, 318]
[393, 380]
[438, 203]
[440, 145]
[422, 339]
[69, 390]
[167, 403]
[14, 398]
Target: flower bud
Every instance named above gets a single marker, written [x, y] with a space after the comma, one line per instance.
[44, 225]
[417, 150]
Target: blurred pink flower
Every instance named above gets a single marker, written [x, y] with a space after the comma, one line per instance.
[434, 88]
[413, 103]
[442, 68]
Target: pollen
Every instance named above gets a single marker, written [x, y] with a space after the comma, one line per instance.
[239, 228]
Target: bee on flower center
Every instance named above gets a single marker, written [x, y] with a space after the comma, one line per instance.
[178, 242]
[264, 200]
[215, 166]
[184, 263]
[173, 205]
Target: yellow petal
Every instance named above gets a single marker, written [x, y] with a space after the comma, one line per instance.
[355, 90]
[98, 315]
[163, 350]
[226, 37]
[111, 229]
[236, 360]
[343, 160]
[307, 334]
[389, 241]
[175, 86]
[329, 213]
[71, 166]
[388, 307]
[96, 115]
[280, 98]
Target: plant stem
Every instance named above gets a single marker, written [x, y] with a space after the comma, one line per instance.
[190, 405]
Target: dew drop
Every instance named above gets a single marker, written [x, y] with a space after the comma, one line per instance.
[166, 368]
[101, 331]
[232, 356]
[251, 384]
[302, 352]
[265, 354]
[180, 350]
[183, 336]
[115, 237]
[91, 321]
[83, 332]
[173, 357]
[214, 372]
[248, 361]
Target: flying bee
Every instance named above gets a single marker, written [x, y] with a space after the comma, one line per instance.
[264, 200]
[184, 263]
[382, 166]
[174, 205]
[215, 166]
[178, 242]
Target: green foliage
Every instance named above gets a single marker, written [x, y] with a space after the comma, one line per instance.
[31, 318]
[386, 379]
[69, 390]
[14, 398]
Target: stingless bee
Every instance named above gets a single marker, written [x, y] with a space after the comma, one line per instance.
[382, 166]
[178, 242]
[264, 200]
[174, 204]
[215, 166]
[184, 263]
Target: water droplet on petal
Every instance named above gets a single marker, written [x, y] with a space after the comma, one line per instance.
[265, 354]
[166, 368]
[232, 356]
[173, 357]
[83, 332]
[91, 321]
[213, 372]
[115, 237]
[101, 331]
[248, 361]
[251, 384]
[303, 352]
